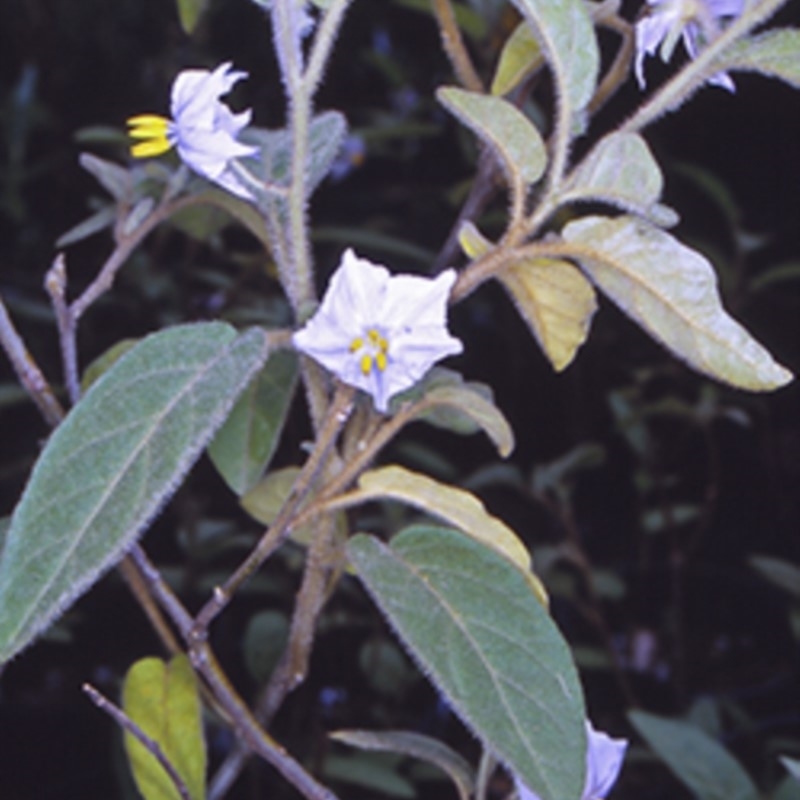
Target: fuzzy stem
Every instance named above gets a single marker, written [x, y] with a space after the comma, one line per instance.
[454, 47]
[697, 71]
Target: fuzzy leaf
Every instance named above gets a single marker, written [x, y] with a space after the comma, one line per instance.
[481, 635]
[113, 462]
[621, 170]
[326, 134]
[114, 178]
[455, 506]
[775, 54]
[520, 56]
[444, 399]
[415, 745]
[244, 445]
[100, 220]
[697, 760]
[671, 291]
[556, 301]
[162, 700]
[565, 32]
[503, 127]
[472, 242]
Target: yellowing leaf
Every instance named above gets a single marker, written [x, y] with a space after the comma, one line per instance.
[162, 700]
[455, 506]
[472, 241]
[556, 301]
[521, 55]
[671, 291]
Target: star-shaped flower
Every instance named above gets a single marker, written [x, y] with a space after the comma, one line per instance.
[203, 130]
[379, 332]
[697, 22]
[604, 757]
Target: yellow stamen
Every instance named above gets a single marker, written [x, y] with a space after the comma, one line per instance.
[153, 130]
[366, 364]
[381, 361]
[356, 344]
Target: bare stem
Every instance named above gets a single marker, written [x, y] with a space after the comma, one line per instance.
[27, 370]
[151, 745]
[454, 47]
[56, 285]
[281, 527]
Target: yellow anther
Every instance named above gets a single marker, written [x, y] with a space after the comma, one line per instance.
[366, 364]
[381, 360]
[153, 130]
[356, 344]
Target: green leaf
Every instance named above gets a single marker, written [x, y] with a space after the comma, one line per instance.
[100, 220]
[775, 54]
[565, 33]
[787, 789]
[263, 644]
[104, 362]
[556, 301]
[697, 760]
[455, 506]
[417, 746]
[479, 632]
[189, 13]
[117, 180]
[621, 171]
[779, 572]
[244, 445]
[326, 134]
[503, 127]
[671, 291]
[113, 462]
[520, 56]
[377, 773]
[444, 399]
[162, 699]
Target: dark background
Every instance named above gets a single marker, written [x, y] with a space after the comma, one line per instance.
[721, 632]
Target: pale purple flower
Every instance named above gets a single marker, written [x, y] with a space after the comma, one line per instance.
[379, 332]
[696, 22]
[203, 130]
[604, 757]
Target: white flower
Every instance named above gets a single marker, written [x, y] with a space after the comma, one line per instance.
[203, 130]
[604, 757]
[697, 22]
[378, 332]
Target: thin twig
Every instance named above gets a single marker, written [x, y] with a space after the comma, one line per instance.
[151, 745]
[56, 284]
[454, 47]
[281, 527]
[27, 370]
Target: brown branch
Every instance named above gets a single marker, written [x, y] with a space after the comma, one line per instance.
[454, 47]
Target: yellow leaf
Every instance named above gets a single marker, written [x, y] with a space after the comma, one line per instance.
[556, 301]
[455, 506]
[162, 700]
[521, 55]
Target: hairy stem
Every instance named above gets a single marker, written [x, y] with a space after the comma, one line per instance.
[454, 47]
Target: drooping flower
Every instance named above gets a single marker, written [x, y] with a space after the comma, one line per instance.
[203, 130]
[604, 757]
[696, 22]
[379, 332]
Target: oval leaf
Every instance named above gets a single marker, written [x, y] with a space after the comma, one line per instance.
[112, 464]
[775, 54]
[566, 34]
[520, 56]
[503, 127]
[556, 301]
[244, 445]
[671, 291]
[481, 635]
[162, 700]
[696, 759]
[621, 170]
[455, 506]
